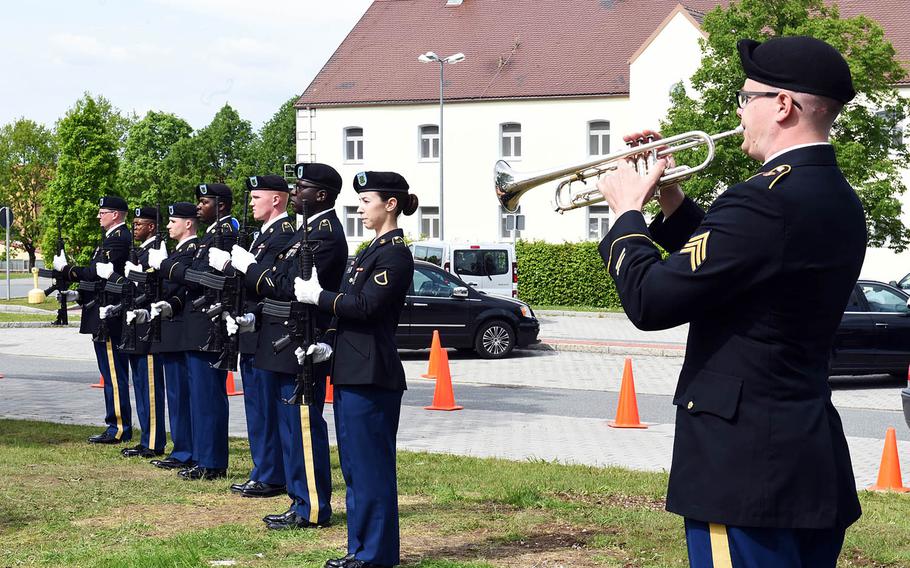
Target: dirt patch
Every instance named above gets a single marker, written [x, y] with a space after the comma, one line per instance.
[854, 557]
[622, 501]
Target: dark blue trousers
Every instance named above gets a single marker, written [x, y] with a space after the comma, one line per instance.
[305, 448]
[208, 410]
[177, 383]
[115, 368]
[149, 399]
[260, 401]
[366, 423]
[751, 547]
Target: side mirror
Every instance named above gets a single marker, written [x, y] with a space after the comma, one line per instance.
[462, 292]
[893, 283]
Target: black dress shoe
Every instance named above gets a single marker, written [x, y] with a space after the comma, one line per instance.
[239, 487]
[339, 562]
[103, 438]
[292, 520]
[354, 563]
[139, 451]
[171, 463]
[199, 472]
[260, 489]
[278, 517]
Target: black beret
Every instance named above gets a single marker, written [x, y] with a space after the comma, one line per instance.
[213, 189]
[150, 213]
[182, 210]
[113, 202]
[380, 181]
[267, 183]
[322, 175]
[798, 63]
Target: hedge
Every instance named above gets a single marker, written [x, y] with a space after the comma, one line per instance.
[564, 274]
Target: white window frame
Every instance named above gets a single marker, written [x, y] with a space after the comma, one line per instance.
[503, 233]
[601, 134]
[513, 137]
[424, 214]
[600, 213]
[353, 228]
[358, 144]
[432, 139]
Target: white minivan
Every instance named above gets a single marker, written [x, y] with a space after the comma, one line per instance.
[487, 267]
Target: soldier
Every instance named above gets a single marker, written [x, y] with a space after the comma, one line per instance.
[366, 371]
[208, 392]
[305, 452]
[114, 365]
[181, 227]
[269, 199]
[761, 470]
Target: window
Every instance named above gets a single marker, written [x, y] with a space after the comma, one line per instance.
[598, 138]
[429, 254]
[481, 262]
[504, 232]
[429, 142]
[432, 283]
[353, 144]
[881, 299]
[598, 221]
[429, 222]
[352, 225]
[511, 140]
[890, 120]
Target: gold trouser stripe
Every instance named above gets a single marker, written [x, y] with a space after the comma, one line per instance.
[113, 372]
[308, 462]
[720, 546]
[153, 419]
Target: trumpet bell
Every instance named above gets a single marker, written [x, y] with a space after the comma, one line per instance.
[508, 189]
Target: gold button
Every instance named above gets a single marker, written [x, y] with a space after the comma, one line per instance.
[691, 405]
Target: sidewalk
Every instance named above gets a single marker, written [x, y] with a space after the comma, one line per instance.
[606, 332]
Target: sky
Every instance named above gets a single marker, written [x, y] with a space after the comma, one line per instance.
[187, 57]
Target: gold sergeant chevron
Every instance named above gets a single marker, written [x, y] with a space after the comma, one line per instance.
[697, 248]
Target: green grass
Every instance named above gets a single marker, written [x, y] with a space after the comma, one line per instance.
[14, 275]
[64, 502]
[49, 303]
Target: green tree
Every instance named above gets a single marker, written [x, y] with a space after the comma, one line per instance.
[86, 171]
[28, 157]
[870, 156]
[142, 173]
[276, 145]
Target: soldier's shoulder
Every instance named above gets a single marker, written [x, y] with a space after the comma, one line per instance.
[287, 227]
[770, 179]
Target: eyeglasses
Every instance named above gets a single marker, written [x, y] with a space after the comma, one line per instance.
[743, 97]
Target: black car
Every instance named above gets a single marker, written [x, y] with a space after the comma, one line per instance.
[874, 334]
[466, 319]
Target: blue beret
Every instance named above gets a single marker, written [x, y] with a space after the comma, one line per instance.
[267, 183]
[113, 202]
[380, 181]
[182, 210]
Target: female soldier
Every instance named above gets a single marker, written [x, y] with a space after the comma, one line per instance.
[366, 371]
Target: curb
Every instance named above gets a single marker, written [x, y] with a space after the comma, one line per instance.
[571, 314]
[14, 309]
[654, 350]
[15, 324]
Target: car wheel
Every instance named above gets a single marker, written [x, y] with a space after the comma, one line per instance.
[495, 339]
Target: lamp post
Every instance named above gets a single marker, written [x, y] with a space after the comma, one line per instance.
[430, 57]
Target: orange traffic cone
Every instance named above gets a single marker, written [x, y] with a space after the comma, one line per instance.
[889, 472]
[231, 390]
[435, 350]
[443, 397]
[329, 390]
[627, 409]
[99, 384]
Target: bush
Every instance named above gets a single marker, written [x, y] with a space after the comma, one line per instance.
[565, 274]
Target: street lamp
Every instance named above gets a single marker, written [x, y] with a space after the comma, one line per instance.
[430, 57]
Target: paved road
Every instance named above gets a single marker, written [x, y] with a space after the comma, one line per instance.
[19, 287]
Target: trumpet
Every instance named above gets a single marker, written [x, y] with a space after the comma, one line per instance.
[512, 185]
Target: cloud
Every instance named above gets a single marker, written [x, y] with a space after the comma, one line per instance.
[73, 49]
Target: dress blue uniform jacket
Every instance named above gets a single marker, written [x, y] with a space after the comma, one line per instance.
[142, 329]
[763, 278]
[276, 281]
[367, 310]
[174, 294]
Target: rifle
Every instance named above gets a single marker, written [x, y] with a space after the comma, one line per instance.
[60, 283]
[213, 286]
[101, 295]
[156, 289]
[233, 297]
[301, 320]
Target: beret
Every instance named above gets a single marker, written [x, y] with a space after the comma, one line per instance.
[798, 63]
[182, 210]
[322, 175]
[212, 190]
[146, 213]
[267, 183]
[113, 202]
[380, 181]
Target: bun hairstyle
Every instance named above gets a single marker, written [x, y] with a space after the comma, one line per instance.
[407, 203]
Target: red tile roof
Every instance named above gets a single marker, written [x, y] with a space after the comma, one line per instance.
[515, 48]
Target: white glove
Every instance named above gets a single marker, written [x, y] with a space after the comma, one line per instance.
[104, 270]
[307, 291]
[70, 295]
[140, 316]
[163, 309]
[244, 323]
[59, 261]
[241, 259]
[130, 267]
[103, 311]
[156, 255]
[218, 258]
[320, 352]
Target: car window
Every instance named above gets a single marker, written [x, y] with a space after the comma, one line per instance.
[477, 262]
[432, 283]
[904, 284]
[855, 304]
[429, 254]
[882, 299]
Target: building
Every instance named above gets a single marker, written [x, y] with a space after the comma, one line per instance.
[544, 83]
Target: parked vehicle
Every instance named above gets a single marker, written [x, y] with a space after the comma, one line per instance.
[466, 319]
[874, 334]
[903, 283]
[486, 267]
